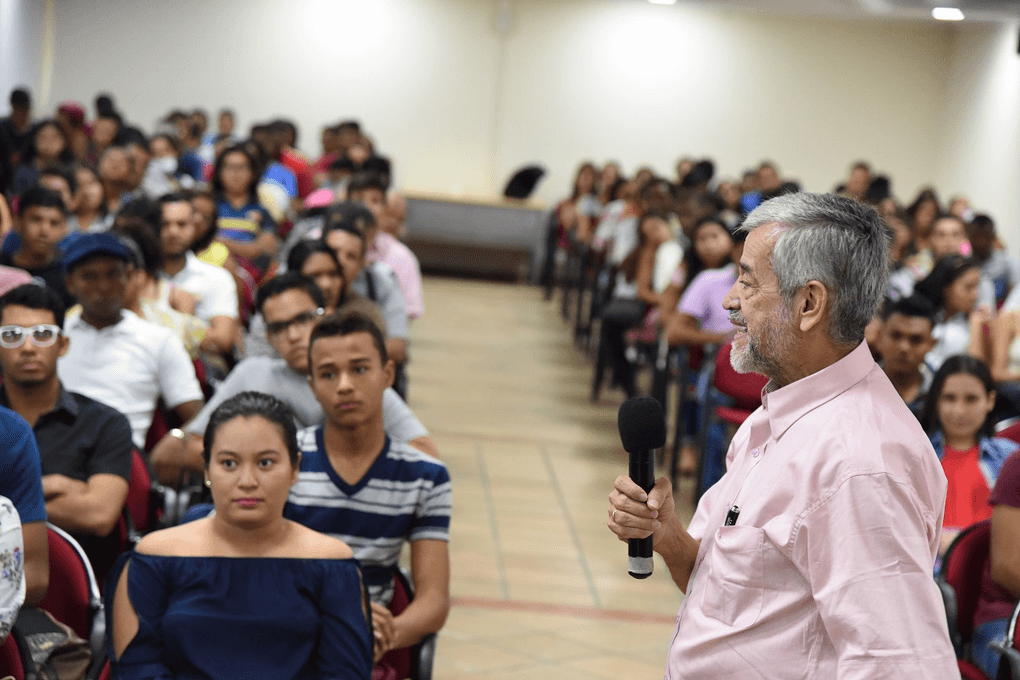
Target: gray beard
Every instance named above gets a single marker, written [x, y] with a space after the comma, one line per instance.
[764, 357]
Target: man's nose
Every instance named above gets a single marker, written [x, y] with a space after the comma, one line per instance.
[731, 301]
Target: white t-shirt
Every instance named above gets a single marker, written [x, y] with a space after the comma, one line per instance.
[128, 366]
[213, 286]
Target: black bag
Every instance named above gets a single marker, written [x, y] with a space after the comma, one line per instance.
[49, 649]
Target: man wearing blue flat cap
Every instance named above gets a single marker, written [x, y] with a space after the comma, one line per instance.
[115, 357]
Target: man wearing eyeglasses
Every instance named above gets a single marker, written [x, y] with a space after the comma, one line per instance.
[291, 304]
[84, 446]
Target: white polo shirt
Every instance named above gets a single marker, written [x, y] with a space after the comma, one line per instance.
[213, 286]
[128, 366]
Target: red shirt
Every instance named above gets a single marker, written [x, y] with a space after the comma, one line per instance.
[293, 161]
[967, 495]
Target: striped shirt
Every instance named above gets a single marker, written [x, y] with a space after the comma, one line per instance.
[404, 496]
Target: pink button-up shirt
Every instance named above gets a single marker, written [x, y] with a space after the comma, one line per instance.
[386, 248]
[827, 572]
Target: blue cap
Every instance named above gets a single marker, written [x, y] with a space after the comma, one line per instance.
[86, 245]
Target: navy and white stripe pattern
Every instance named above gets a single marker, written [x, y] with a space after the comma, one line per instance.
[404, 496]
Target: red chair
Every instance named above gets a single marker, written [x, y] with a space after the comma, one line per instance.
[745, 391]
[10, 659]
[413, 662]
[959, 580]
[73, 596]
[1009, 666]
[1010, 432]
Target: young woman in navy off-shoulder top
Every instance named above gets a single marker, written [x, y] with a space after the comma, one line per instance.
[243, 593]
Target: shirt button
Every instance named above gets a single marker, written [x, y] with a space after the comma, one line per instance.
[755, 453]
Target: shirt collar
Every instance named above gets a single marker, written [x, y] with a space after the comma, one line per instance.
[788, 404]
[65, 402]
[127, 319]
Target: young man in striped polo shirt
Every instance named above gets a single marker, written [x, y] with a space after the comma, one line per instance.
[367, 490]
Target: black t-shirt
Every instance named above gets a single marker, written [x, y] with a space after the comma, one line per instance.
[52, 276]
[82, 437]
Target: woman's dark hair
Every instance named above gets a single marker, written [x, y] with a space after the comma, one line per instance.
[171, 139]
[629, 266]
[576, 192]
[926, 195]
[944, 274]
[694, 263]
[304, 249]
[141, 234]
[617, 188]
[206, 239]
[253, 163]
[66, 156]
[64, 172]
[251, 405]
[956, 365]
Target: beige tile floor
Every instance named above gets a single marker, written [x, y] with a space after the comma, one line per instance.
[540, 586]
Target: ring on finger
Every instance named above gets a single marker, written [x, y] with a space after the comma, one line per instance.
[614, 515]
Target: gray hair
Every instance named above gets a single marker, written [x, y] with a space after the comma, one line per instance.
[839, 242]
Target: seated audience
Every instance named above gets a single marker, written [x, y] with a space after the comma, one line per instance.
[996, 266]
[243, 592]
[60, 180]
[700, 318]
[658, 256]
[90, 210]
[115, 357]
[21, 484]
[48, 147]
[290, 304]
[116, 171]
[962, 326]
[40, 225]
[345, 232]
[369, 190]
[1000, 582]
[373, 491]
[150, 297]
[84, 446]
[12, 567]
[958, 418]
[212, 287]
[244, 225]
[903, 341]
[291, 158]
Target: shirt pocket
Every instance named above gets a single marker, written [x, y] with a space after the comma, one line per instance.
[734, 591]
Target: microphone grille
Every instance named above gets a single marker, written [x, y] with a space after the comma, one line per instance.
[642, 424]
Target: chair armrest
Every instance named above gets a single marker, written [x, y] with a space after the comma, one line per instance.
[426, 657]
[97, 643]
[952, 615]
[1009, 665]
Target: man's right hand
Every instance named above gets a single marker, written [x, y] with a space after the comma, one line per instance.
[635, 514]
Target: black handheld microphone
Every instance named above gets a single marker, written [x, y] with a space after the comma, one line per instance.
[642, 428]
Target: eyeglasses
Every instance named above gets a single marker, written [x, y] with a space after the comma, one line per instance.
[303, 319]
[43, 335]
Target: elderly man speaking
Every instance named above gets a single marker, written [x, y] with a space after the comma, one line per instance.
[812, 557]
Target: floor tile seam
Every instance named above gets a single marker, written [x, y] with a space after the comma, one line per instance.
[567, 610]
[483, 474]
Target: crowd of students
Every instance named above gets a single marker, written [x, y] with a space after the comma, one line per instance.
[946, 336]
[157, 288]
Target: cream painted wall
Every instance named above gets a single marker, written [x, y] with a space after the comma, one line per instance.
[420, 74]
[647, 84]
[21, 36]
[459, 105]
[981, 155]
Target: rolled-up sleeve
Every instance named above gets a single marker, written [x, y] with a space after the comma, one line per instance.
[866, 551]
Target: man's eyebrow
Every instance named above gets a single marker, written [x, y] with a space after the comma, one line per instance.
[746, 268]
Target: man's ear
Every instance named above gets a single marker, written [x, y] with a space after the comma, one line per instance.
[812, 305]
[390, 371]
[64, 343]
